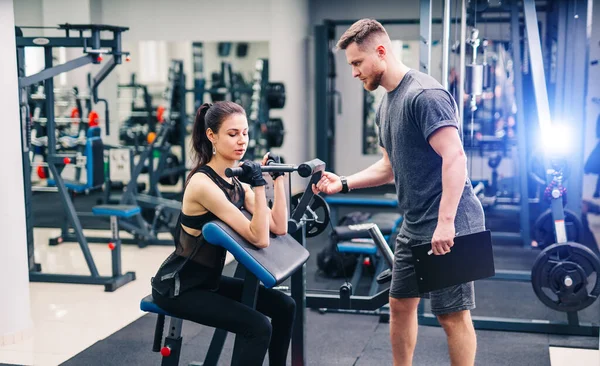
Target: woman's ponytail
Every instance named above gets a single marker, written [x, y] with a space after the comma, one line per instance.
[201, 145]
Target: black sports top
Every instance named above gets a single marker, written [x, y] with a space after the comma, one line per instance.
[195, 263]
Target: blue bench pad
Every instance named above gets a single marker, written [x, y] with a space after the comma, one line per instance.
[358, 248]
[72, 185]
[123, 211]
[362, 200]
[271, 265]
[147, 304]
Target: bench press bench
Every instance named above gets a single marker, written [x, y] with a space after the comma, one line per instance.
[271, 266]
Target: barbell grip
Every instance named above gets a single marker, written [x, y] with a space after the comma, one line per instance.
[233, 172]
[236, 172]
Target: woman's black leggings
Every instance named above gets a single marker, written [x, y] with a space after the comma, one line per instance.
[223, 309]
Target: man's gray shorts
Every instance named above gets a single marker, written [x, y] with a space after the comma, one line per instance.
[404, 282]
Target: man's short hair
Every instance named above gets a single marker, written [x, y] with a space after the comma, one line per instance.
[360, 32]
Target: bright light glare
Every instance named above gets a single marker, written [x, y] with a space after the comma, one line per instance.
[557, 141]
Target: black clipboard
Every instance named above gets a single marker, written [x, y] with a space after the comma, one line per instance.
[470, 259]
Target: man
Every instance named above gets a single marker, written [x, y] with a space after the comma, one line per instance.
[423, 154]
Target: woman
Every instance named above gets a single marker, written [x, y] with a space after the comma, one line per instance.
[189, 283]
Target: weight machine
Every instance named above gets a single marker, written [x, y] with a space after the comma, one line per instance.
[264, 95]
[565, 275]
[93, 48]
[572, 267]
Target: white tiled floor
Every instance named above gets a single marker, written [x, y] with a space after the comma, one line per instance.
[569, 356]
[69, 318]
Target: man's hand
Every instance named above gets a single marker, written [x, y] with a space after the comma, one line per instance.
[443, 238]
[328, 184]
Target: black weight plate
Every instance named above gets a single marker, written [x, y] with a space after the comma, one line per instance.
[275, 95]
[544, 228]
[549, 273]
[320, 208]
[275, 132]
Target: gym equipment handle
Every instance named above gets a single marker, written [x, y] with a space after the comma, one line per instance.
[236, 172]
[304, 170]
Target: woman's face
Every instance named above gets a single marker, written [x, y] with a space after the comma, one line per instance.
[232, 140]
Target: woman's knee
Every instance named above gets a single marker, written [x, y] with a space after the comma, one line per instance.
[279, 304]
[289, 304]
[260, 328]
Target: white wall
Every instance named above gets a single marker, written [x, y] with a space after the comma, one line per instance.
[53, 13]
[225, 20]
[15, 316]
[28, 12]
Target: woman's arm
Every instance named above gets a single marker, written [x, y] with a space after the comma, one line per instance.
[278, 215]
[279, 212]
[211, 197]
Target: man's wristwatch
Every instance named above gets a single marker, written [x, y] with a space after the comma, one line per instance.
[345, 188]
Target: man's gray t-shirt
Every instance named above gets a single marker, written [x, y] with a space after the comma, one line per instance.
[407, 117]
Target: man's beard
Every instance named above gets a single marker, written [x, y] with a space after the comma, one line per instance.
[373, 84]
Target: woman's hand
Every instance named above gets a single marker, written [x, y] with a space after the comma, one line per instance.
[270, 157]
[252, 174]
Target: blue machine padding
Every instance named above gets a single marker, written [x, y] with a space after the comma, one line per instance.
[123, 211]
[359, 248]
[93, 132]
[361, 201]
[89, 164]
[79, 187]
[147, 304]
[271, 265]
[70, 184]
[75, 186]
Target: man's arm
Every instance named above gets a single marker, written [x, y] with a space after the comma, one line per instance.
[446, 143]
[375, 175]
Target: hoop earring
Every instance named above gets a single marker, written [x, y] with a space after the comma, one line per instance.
[214, 150]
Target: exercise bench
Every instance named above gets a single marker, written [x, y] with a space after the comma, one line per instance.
[116, 212]
[359, 242]
[271, 266]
